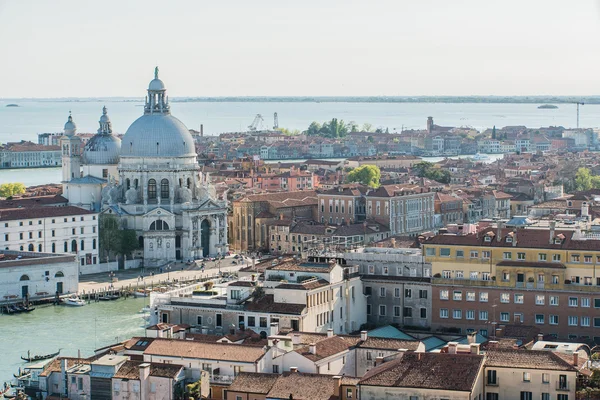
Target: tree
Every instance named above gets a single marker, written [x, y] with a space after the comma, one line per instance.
[368, 175]
[313, 128]
[427, 170]
[11, 189]
[113, 240]
[494, 132]
[352, 126]
[583, 179]
[331, 129]
[127, 243]
[367, 127]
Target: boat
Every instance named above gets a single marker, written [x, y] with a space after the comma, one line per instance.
[31, 358]
[74, 301]
[12, 105]
[547, 106]
[113, 297]
[480, 157]
[142, 293]
[18, 309]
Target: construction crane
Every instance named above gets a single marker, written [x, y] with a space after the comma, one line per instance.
[578, 104]
[258, 121]
[275, 121]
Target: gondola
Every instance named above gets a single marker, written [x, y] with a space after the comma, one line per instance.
[30, 358]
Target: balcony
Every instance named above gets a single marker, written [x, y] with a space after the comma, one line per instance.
[562, 386]
[462, 282]
[222, 379]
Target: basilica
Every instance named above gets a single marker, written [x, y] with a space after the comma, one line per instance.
[150, 180]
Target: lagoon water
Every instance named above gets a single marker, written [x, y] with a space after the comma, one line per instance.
[48, 328]
[33, 117]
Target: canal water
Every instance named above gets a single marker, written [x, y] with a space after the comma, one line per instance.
[48, 328]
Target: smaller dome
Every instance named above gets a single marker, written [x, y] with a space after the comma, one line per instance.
[70, 126]
[104, 118]
[156, 84]
[102, 149]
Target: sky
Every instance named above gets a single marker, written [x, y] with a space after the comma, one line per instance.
[75, 48]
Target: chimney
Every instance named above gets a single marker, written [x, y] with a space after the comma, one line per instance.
[363, 336]
[63, 367]
[499, 227]
[474, 348]
[312, 348]
[274, 328]
[452, 346]
[296, 338]
[144, 380]
[514, 242]
[471, 337]
[337, 384]
[378, 361]
[585, 209]
[493, 344]
[540, 337]
[575, 358]
[499, 332]
[294, 369]
[329, 332]
[552, 228]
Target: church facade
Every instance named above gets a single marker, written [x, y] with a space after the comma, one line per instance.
[151, 181]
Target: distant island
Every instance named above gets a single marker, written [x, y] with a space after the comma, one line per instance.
[12, 105]
[547, 106]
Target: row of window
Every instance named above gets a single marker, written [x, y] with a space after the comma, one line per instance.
[508, 255]
[385, 270]
[53, 233]
[540, 319]
[406, 312]
[519, 298]
[73, 247]
[39, 222]
[408, 293]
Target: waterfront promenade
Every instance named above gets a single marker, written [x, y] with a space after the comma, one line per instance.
[130, 278]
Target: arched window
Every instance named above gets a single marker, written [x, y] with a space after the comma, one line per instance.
[164, 189]
[74, 246]
[159, 225]
[54, 247]
[94, 244]
[40, 248]
[152, 189]
[24, 278]
[135, 183]
[21, 248]
[66, 248]
[82, 245]
[189, 183]
[180, 182]
[30, 247]
[127, 184]
[59, 274]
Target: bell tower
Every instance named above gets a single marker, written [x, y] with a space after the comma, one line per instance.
[70, 145]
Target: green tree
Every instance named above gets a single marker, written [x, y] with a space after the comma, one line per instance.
[367, 127]
[11, 189]
[128, 242]
[113, 240]
[368, 175]
[352, 126]
[428, 170]
[583, 179]
[313, 128]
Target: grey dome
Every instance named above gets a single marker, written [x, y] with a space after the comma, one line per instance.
[102, 149]
[70, 127]
[156, 84]
[158, 135]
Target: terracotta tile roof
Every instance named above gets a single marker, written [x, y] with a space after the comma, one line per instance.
[41, 212]
[253, 382]
[131, 370]
[389, 344]
[307, 338]
[325, 348]
[302, 386]
[285, 199]
[54, 365]
[34, 202]
[313, 284]
[209, 351]
[396, 190]
[294, 265]
[533, 359]
[29, 146]
[267, 304]
[526, 238]
[452, 372]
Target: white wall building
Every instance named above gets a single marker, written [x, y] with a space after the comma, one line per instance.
[36, 275]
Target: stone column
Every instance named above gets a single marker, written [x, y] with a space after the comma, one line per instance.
[144, 183]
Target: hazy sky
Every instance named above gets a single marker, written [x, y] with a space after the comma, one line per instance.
[69, 48]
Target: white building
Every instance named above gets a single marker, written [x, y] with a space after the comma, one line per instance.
[36, 275]
[26, 154]
[50, 229]
[151, 181]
